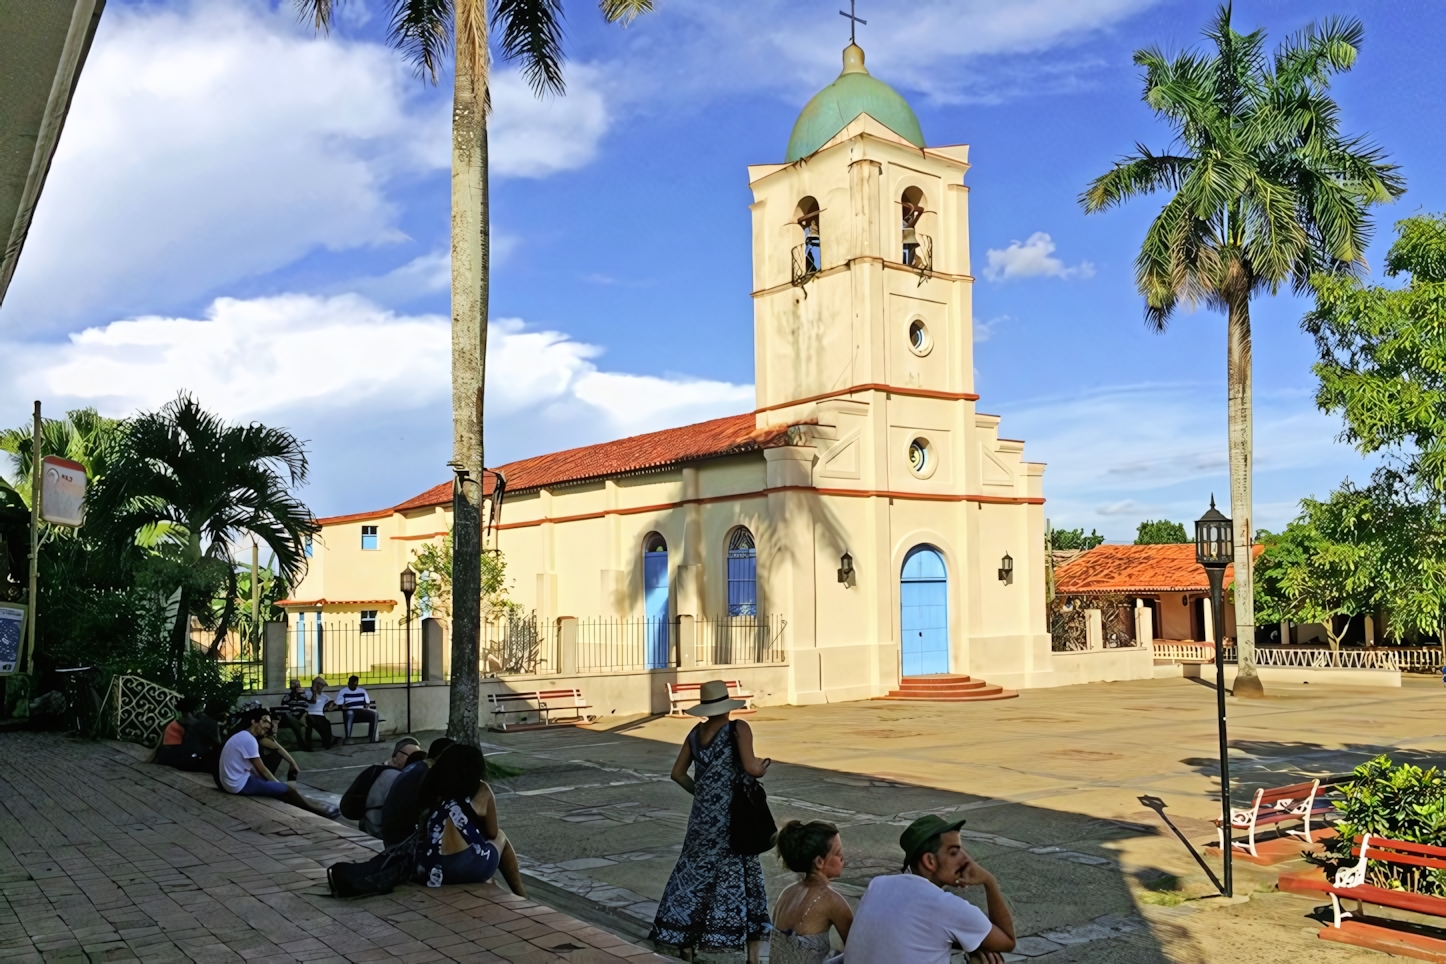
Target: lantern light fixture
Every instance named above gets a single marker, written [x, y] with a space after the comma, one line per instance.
[845, 567]
[1006, 570]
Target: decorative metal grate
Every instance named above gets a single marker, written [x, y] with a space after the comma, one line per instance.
[142, 709]
[1299, 657]
[510, 644]
[1067, 630]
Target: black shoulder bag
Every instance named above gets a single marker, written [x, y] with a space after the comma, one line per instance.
[750, 822]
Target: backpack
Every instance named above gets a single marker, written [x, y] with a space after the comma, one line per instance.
[379, 875]
[354, 801]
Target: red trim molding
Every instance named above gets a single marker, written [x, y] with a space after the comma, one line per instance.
[877, 387]
[332, 520]
[763, 493]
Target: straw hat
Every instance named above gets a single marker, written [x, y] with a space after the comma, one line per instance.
[713, 700]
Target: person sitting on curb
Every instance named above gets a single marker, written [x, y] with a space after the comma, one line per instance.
[401, 809]
[461, 841]
[910, 917]
[242, 772]
[371, 821]
[354, 703]
[292, 715]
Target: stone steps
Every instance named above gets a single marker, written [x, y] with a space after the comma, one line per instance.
[947, 688]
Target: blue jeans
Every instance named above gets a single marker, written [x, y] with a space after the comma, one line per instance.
[369, 717]
[257, 787]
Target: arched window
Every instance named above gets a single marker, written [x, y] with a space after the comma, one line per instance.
[808, 256]
[917, 248]
[742, 573]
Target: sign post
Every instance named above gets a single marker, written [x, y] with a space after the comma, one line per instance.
[34, 540]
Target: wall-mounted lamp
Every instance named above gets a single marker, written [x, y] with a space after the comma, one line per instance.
[1184, 599]
[1006, 570]
[845, 567]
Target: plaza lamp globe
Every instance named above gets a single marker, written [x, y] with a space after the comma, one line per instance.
[1214, 539]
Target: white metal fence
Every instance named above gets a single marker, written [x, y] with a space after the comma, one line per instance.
[1300, 657]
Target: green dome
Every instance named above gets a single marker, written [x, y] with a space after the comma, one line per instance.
[854, 93]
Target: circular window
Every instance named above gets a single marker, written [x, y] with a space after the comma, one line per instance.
[921, 458]
[919, 340]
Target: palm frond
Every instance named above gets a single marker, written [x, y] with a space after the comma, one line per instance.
[624, 11]
[320, 12]
[531, 33]
[422, 30]
[1143, 173]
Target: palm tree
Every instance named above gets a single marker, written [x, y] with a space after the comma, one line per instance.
[84, 436]
[207, 484]
[530, 33]
[1265, 190]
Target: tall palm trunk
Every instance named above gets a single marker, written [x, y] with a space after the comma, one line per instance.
[469, 354]
[1241, 430]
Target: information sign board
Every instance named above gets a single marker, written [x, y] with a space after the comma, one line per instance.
[62, 491]
[12, 632]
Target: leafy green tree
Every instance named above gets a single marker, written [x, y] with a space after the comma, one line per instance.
[210, 484]
[84, 436]
[1263, 190]
[433, 564]
[1160, 532]
[530, 32]
[1074, 539]
[1382, 350]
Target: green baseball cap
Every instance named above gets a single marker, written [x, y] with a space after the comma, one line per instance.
[918, 834]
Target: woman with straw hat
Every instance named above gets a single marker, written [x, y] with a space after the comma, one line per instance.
[715, 897]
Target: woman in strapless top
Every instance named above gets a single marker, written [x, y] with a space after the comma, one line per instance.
[806, 911]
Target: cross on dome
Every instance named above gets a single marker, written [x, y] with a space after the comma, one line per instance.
[854, 21]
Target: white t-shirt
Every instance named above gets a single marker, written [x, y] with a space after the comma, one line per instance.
[347, 698]
[902, 917]
[236, 757]
[316, 704]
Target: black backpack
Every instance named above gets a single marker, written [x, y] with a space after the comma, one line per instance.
[354, 801]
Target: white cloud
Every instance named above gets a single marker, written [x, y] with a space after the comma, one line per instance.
[221, 141]
[1031, 258]
[984, 330]
[294, 357]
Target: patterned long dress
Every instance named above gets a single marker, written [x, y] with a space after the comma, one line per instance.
[715, 897]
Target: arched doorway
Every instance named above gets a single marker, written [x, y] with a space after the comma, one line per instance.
[655, 600]
[924, 612]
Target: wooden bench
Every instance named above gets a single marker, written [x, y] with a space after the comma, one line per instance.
[683, 695]
[550, 707]
[337, 718]
[1274, 806]
[1350, 884]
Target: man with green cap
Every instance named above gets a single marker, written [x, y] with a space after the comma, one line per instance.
[910, 917]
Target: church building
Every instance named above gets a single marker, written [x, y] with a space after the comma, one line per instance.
[864, 524]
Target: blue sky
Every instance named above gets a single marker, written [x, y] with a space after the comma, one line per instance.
[258, 215]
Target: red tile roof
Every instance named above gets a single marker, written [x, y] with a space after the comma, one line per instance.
[639, 453]
[1126, 569]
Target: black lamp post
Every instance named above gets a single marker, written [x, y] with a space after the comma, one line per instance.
[409, 586]
[1215, 549]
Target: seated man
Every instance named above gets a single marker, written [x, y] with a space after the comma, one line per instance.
[242, 772]
[401, 810]
[354, 703]
[371, 822]
[273, 754]
[910, 917]
[317, 703]
[293, 715]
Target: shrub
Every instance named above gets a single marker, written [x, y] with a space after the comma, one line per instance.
[1397, 802]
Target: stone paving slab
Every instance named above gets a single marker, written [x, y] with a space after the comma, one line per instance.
[103, 858]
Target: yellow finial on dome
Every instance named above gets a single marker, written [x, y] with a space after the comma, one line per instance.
[853, 60]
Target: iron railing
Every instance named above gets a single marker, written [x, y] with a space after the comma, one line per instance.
[806, 263]
[1300, 657]
[619, 644]
[739, 641]
[337, 650]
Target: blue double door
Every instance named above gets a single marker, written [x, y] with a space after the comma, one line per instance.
[924, 612]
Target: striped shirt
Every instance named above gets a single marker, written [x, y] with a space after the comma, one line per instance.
[352, 698]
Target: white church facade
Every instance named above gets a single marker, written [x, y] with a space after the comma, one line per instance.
[865, 515]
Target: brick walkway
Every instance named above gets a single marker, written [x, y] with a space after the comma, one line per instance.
[103, 858]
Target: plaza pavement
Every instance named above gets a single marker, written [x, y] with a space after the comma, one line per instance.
[1050, 784]
[111, 858]
[103, 858]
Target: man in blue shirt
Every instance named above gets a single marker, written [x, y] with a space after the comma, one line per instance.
[355, 704]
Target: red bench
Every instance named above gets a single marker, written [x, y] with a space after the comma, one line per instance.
[1350, 884]
[1271, 807]
[680, 694]
[561, 707]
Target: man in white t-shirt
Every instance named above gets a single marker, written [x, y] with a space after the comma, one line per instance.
[242, 772]
[356, 708]
[910, 917]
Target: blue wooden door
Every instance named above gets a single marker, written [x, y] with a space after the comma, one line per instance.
[655, 606]
[924, 612]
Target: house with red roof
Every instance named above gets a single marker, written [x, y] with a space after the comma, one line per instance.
[865, 523]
